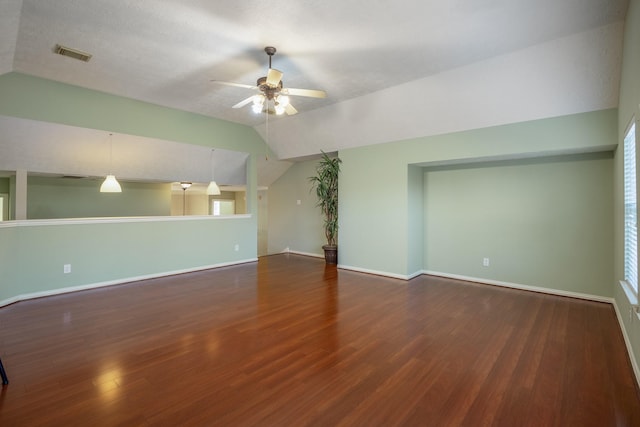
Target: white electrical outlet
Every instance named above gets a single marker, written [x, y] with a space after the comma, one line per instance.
[298, 202]
[485, 262]
[236, 247]
[66, 268]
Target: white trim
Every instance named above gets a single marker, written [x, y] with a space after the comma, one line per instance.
[414, 275]
[288, 251]
[110, 220]
[378, 273]
[59, 291]
[558, 292]
[627, 342]
[520, 156]
[632, 297]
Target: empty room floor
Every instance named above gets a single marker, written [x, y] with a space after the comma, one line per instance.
[288, 341]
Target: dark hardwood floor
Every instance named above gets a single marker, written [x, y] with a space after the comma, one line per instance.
[290, 342]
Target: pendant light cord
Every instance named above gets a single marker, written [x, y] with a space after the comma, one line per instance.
[110, 154]
[212, 168]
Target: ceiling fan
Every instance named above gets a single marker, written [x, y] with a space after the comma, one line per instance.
[273, 97]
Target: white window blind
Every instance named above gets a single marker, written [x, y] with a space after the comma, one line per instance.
[630, 210]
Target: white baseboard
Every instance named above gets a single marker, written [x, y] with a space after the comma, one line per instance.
[40, 294]
[550, 291]
[558, 292]
[288, 251]
[414, 275]
[627, 343]
[378, 273]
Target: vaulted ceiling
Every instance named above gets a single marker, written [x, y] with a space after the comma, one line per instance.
[392, 70]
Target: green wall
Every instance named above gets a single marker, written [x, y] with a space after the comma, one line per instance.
[542, 222]
[377, 217]
[104, 252]
[298, 227]
[389, 224]
[33, 255]
[629, 109]
[39, 99]
[415, 220]
[4, 185]
[49, 198]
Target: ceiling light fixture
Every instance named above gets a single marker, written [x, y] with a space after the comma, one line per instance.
[278, 104]
[110, 184]
[273, 96]
[258, 103]
[213, 189]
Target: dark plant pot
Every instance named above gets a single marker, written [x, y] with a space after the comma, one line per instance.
[330, 254]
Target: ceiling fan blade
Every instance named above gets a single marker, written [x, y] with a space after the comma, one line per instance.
[234, 84]
[243, 102]
[290, 110]
[312, 93]
[273, 77]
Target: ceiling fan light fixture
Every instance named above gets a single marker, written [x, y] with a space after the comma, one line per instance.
[258, 103]
[283, 100]
[274, 97]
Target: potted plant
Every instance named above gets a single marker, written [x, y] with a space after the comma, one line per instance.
[326, 185]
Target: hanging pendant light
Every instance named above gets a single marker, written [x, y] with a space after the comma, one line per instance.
[110, 184]
[213, 189]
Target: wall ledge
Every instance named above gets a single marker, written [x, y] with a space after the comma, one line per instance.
[630, 294]
[119, 220]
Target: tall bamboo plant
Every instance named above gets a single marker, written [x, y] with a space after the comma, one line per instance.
[326, 185]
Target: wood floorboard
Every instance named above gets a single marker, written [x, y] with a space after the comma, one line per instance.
[288, 341]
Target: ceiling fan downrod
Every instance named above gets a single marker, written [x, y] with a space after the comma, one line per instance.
[270, 50]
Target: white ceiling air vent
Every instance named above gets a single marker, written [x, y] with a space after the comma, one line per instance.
[72, 53]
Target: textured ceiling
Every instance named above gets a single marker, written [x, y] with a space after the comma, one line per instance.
[166, 52]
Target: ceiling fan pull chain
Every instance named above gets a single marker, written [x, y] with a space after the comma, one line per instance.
[266, 157]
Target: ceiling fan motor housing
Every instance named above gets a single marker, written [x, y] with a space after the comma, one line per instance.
[268, 90]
